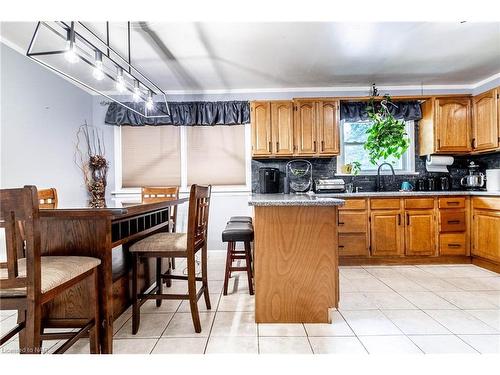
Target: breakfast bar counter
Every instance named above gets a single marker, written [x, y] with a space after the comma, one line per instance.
[295, 258]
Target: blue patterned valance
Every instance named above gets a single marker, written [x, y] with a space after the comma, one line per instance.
[401, 110]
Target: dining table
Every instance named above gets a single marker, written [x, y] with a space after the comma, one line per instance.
[104, 233]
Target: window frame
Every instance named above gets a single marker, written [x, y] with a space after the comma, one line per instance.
[184, 188]
[408, 159]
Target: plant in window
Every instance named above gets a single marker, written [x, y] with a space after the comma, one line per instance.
[356, 168]
[387, 137]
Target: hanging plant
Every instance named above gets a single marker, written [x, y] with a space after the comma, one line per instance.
[387, 136]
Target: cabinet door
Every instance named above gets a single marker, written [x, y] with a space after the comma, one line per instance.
[305, 127]
[486, 234]
[282, 127]
[453, 124]
[484, 121]
[419, 232]
[328, 128]
[386, 233]
[260, 118]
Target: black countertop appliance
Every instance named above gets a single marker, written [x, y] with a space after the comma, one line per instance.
[269, 180]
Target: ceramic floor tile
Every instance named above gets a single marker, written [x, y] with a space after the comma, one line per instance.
[338, 327]
[415, 322]
[233, 345]
[167, 306]
[435, 284]
[389, 345]
[82, 346]
[460, 322]
[237, 302]
[7, 324]
[281, 330]
[181, 325]
[466, 300]
[412, 272]
[383, 272]
[238, 283]
[437, 344]
[10, 347]
[475, 283]
[234, 324]
[121, 320]
[490, 317]
[355, 273]
[370, 322]
[133, 346]
[151, 326]
[427, 300]
[346, 285]
[4, 314]
[180, 345]
[202, 307]
[402, 284]
[369, 285]
[493, 296]
[389, 300]
[447, 272]
[284, 345]
[355, 301]
[336, 345]
[485, 344]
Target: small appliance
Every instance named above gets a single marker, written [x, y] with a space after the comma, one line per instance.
[475, 179]
[298, 176]
[329, 185]
[269, 180]
[493, 179]
[406, 186]
[445, 183]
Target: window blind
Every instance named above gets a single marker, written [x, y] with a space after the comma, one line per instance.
[216, 155]
[150, 156]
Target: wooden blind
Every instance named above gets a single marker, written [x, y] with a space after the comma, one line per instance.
[216, 155]
[151, 156]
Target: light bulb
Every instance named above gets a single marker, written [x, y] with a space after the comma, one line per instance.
[149, 102]
[98, 73]
[120, 81]
[137, 92]
[70, 55]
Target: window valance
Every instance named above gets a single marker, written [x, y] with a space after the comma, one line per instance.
[402, 110]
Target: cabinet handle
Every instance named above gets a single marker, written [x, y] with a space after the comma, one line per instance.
[452, 203]
[454, 245]
[439, 144]
[277, 146]
[399, 219]
[314, 143]
[322, 146]
[270, 146]
[473, 142]
[453, 221]
[407, 219]
[341, 246]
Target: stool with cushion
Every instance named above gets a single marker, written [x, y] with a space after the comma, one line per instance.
[233, 233]
[173, 245]
[28, 280]
[240, 219]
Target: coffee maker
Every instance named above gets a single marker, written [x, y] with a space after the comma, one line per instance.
[269, 179]
[475, 179]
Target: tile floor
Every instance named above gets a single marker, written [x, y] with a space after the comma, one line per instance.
[383, 309]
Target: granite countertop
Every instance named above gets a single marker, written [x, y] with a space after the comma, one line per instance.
[370, 194]
[293, 200]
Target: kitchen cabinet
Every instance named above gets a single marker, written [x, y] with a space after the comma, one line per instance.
[386, 233]
[305, 127]
[486, 228]
[452, 225]
[328, 127]
[485, 121]
[353, 228]
[260, 118]
[282, 127]
[445, 127]
[420, 232]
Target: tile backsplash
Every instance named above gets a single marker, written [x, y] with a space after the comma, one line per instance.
[327, 167]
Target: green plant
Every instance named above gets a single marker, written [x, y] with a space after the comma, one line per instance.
[387, 136]
[356, 167]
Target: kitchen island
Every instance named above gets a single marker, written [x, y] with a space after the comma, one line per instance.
[295, 258]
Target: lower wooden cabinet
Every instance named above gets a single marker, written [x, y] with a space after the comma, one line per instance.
[386, 233]
[352, 244]
[453, 243]
[486, 234]
[420, 232]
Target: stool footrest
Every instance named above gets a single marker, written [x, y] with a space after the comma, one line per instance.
[238, 269]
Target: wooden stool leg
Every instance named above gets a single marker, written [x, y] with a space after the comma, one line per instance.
[159, 283]
[168, 282]
[228, 266]
[94, 301]
[136, 318]
[21, 318]
[33, 340]
[172, 263]
[204, 276]
[193, 302]
[248, 259]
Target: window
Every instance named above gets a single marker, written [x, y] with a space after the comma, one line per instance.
[150, 156]
[216, 155]
[352, 139]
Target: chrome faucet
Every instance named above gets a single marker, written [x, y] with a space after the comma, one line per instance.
[379, 184]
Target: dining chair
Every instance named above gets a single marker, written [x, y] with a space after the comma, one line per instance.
[177, 245]
[28, 281]
[47, 198]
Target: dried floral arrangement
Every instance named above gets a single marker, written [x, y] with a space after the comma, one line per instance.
[89, 157]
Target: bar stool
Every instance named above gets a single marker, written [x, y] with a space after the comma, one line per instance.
[240, 219]
[238, 232]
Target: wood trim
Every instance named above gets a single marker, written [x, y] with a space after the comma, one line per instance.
[359, 261]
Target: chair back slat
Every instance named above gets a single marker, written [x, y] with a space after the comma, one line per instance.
[19, 209]
[47, 198]
[199, 203]
[158, 194]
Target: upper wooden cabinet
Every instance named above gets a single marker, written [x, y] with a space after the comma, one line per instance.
[445, 126]
[303, 127]
[485, 121]
[260, 117]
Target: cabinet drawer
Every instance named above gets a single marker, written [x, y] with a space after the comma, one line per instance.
[353, 204]
[452, 244]
[452, 221]
[452, 202]
[352, 245]
[385, 204]
[489, 203]
[419, 203]
[352, 222]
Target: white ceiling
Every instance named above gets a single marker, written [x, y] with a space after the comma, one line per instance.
[229, 56]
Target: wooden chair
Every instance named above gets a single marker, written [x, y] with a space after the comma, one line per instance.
[158, 194]
[28, 280]
[47, 198]
[181, 245]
